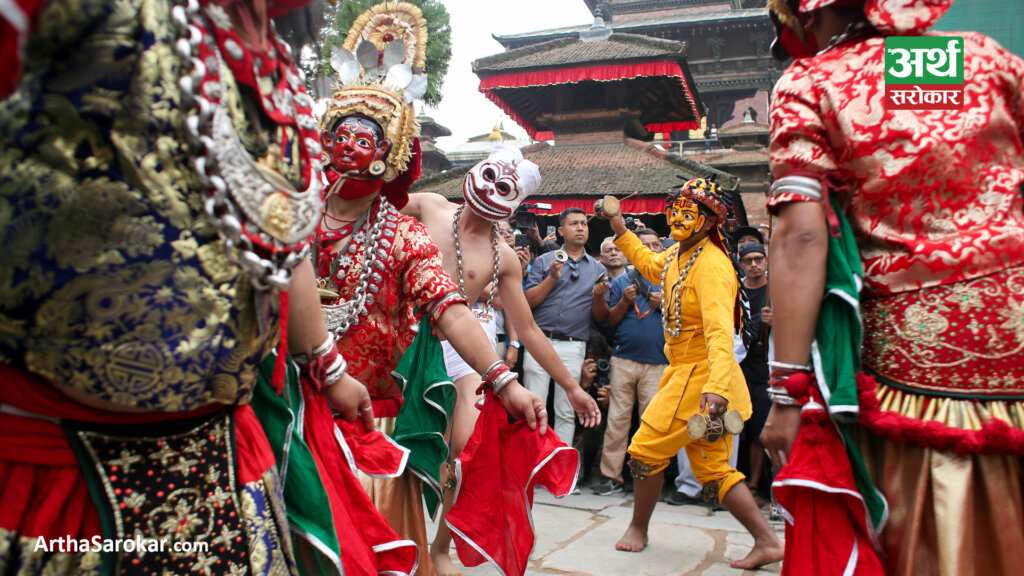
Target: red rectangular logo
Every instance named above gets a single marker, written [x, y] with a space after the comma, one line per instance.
[924, 96]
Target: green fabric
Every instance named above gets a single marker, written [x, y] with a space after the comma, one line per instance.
[838, 338]
[428, 402]
[305, 497]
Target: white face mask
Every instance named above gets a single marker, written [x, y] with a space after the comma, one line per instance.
[495, 187]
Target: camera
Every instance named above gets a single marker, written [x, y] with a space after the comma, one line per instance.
[522, 241]
[631, 224]
[524, 219]
[602, 379]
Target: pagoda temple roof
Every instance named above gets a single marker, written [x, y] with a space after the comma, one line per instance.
[590, 171]
[634, 25]
[570, 50]
[619, 72]
[428, 127]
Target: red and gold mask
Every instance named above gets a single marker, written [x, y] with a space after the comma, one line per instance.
[353, 148]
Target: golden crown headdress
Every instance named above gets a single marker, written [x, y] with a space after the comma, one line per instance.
[380, 66]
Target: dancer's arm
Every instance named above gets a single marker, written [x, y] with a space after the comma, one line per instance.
[306, 331]
[468, 338]
[646, 262]
[798, 253]
[423, 202]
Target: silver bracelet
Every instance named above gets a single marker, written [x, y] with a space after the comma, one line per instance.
[491, 367]
[788, 366]
[781, 398]
[320, 350]
[335, 371]
[325, 347]
[503, 380]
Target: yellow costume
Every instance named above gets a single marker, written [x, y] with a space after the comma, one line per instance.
[700, 361]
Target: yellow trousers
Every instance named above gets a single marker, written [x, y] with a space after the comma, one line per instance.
[663, 428]
[709, 460]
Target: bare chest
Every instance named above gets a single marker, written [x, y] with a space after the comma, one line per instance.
[475, 258]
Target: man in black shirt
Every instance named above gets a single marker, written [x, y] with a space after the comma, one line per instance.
[757, 320]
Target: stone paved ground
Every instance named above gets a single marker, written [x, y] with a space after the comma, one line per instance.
[576, 536]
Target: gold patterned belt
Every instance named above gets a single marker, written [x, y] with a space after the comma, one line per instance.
[964, 339]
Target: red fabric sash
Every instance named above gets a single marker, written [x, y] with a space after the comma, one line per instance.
[497, 471]
[368, 545]
[816, 488]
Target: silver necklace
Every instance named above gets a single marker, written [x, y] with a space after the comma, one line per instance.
[677, 297]
[341, 317]
[458, 257]
[239, 191]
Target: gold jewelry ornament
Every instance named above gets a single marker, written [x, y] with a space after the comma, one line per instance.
[377, 168]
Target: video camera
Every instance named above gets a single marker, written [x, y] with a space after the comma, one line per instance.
[524, 219]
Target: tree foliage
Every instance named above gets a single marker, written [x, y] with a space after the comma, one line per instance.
[439, 40]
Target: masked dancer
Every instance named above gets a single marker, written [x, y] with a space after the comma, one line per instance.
[898, 284]
[474, 255]
[378, 269]
[699, 313]
[160, 186]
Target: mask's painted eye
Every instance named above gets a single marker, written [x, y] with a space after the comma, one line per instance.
[503, 188]
[489, 175]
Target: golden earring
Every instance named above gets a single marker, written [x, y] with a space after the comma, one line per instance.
[377, 168]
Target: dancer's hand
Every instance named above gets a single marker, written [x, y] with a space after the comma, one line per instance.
[780, 432]
[349, 398]
[511, 356]
[715, 404]
[585, 407]
[521, 403]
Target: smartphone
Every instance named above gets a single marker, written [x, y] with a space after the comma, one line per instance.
[551, 230]
[522, 241]
[601, 278]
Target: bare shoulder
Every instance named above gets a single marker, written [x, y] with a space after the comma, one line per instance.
[427, 200]
[509, 261]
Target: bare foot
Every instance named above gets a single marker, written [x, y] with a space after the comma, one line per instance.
[762, 553]
[634, 540]
[443, 565]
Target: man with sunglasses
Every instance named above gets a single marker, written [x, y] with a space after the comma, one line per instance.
[561, 293]
[757, 321]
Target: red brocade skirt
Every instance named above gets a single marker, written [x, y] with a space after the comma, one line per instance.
[45, 493]
[943, 402]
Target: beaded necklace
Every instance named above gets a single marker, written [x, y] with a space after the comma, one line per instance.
[676, 293]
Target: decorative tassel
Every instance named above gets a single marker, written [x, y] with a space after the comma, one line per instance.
[961, 425]
[280, 365]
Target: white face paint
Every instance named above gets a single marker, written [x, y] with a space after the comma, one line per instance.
[495, 187]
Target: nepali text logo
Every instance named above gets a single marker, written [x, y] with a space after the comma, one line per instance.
[924, 73]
